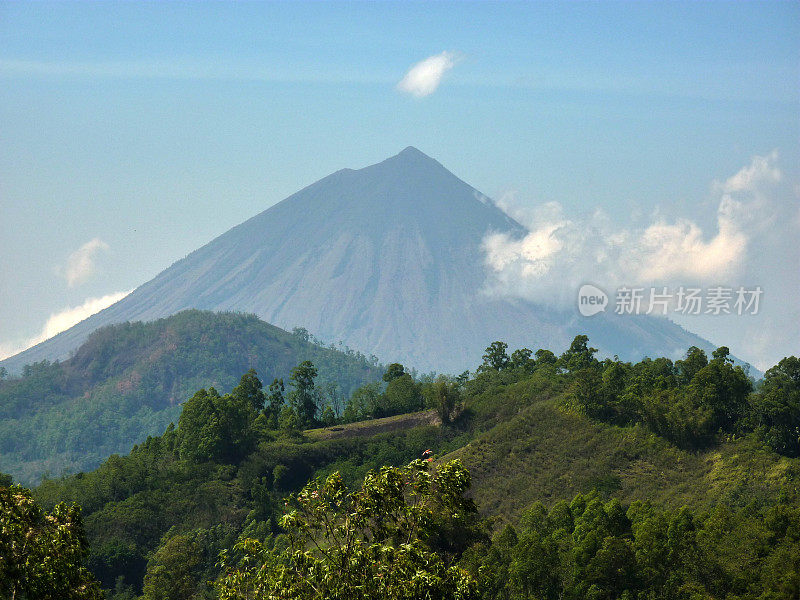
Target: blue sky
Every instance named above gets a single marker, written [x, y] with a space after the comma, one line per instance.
[132, 133]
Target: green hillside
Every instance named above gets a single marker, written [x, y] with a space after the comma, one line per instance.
[545, 452]
[128, 381]
[618, 453]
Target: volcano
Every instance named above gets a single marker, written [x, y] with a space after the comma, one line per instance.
[386, 259]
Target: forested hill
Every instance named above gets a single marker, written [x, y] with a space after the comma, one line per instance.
[590, 479]
[128, 381]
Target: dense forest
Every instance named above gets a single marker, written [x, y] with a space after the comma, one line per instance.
[128, 381]
[536, 476]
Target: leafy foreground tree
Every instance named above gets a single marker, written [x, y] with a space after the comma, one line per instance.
[41, 554]
[368, 544]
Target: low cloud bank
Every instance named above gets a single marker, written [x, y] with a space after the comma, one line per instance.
[754, 243]
[63, 320]
[559, 254]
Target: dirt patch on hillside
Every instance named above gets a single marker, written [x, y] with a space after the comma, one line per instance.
[376, 426]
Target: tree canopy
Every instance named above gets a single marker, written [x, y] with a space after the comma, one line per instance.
[370, 543]
[42, 555]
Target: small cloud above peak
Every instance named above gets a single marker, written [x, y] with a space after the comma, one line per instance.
[424, 77]
[81, 264]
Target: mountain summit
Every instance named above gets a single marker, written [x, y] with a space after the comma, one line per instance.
[386, 259]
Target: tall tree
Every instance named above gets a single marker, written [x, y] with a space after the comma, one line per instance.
[250, 390]
[393, 371]
[579, 355]
[695, 360]
[402, 395]
[778, 407]
[722, 389]
[214, 427]
[304, 397]
[496, 356]
[275, 399]
[200, 433]
[448, 396]
[521, 359]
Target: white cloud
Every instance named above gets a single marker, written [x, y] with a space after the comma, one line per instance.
[761, 170]
[63, 320]
[66, 318]
[678, 251]
[423, 78]
[81, 263]
[559, 254]
[10, 349]
[754, 243]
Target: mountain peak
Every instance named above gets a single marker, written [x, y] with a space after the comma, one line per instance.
[411, 151]
[413, 156]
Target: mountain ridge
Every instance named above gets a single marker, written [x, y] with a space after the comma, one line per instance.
[387, 259]
[128, 380]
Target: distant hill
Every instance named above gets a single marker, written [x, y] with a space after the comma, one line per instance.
[127, 381]
[388, 260]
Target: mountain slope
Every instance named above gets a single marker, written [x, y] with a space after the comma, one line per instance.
[127, 382]
[386, 259]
